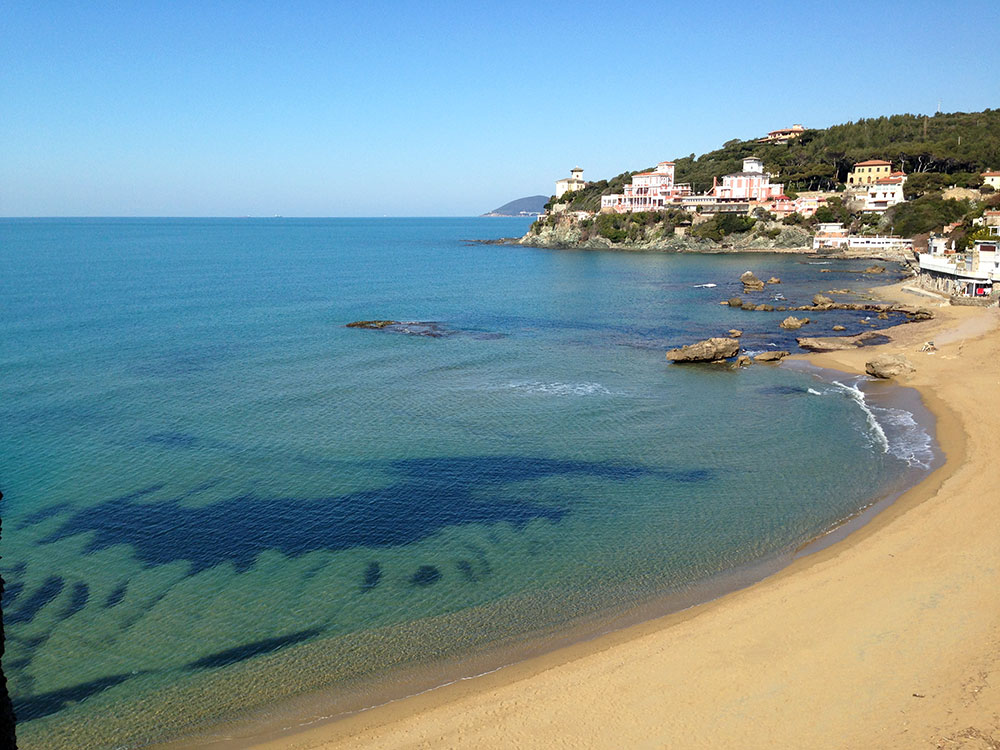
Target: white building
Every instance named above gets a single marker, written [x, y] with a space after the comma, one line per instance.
[752, 184]
[834, 236]
[649, 191]
[574, 182]
[971, 274]
[783, 135]
[885, 193]
[992, 179]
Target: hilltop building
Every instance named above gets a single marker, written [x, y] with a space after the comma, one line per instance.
[784, 135]
[574, 182]
[752, 184]
[867, 172]
[649, 191]
[885, 193]
[992, 179]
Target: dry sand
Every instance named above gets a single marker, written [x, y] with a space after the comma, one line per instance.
[887, 639]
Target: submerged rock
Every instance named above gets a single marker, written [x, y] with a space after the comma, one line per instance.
[709, 350]
[875, 269]
[839, 328]
[771, 356]
[735, 302]
[774, 280]
[376, 324]
[888, 366]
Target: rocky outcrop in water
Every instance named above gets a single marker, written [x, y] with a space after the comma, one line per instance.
[771, 356]
[751, 283]
[375, 324]
[791, 323]
[888, 366]
[841, 343]
[709, 350]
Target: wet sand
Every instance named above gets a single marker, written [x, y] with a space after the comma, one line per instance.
[889, 638]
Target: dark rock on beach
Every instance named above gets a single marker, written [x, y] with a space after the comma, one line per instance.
[709, 350]
[841, 343]
[888, 366]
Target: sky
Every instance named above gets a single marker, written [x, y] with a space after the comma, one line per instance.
[437, 108]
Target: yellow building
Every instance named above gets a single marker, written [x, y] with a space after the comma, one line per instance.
[867, 172]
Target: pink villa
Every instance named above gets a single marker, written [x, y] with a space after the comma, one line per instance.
[753, 184]
[649, 191]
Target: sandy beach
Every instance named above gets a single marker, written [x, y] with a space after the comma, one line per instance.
[889, 638]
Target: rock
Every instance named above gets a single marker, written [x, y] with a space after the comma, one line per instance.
[771, 356]
[709, 350]
[376, 324]
[888, 366]
[791, 323]
[839, 328]
[781, 308]
[774, 280]
[875, 269]
[735, 302]
[751, 283]
[743, 360]
[766, 307]
[842, 343]
[825, 270]
[883, 315]
[735, 333]
[822, 301]
[838, 291]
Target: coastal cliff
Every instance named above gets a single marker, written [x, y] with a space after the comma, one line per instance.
[572, 232]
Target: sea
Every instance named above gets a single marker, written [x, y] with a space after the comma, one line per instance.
[224, 508]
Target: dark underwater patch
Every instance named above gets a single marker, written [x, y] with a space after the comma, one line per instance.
[116, 596]
[77, 600]
[426, 575]
[10, 594]
[373, 574]
[42, 515]
[465, 568]
[430, 494]
[172, 439]
[45, 704]
[44, 594]
[781, 390]
[250, 650]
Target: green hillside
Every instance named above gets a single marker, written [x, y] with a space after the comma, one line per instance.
[957, 142]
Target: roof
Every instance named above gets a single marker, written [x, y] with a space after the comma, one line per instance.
[991, 174]
[873, 163]
[889, 181]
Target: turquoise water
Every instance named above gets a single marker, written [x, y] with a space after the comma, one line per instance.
[217, 497]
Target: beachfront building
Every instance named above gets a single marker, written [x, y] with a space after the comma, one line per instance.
[784, 135]
[973, 274]
[574, 182]
[867, 172]
[753, 184]
[835, 236]
[885, 193]
[648, 191]
[992, 179]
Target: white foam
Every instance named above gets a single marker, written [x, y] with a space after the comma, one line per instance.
[705, 286]
[814, 392]
[909, 441]
[559, 389]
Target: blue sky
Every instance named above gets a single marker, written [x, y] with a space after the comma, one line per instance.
[402, 109]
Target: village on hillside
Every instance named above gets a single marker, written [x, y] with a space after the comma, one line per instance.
[967, 269]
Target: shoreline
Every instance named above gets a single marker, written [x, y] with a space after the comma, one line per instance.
[539, 701]
[443, 711]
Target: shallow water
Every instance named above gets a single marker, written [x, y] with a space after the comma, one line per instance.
[216, 496]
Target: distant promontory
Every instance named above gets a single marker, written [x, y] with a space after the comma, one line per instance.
[533, 205]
